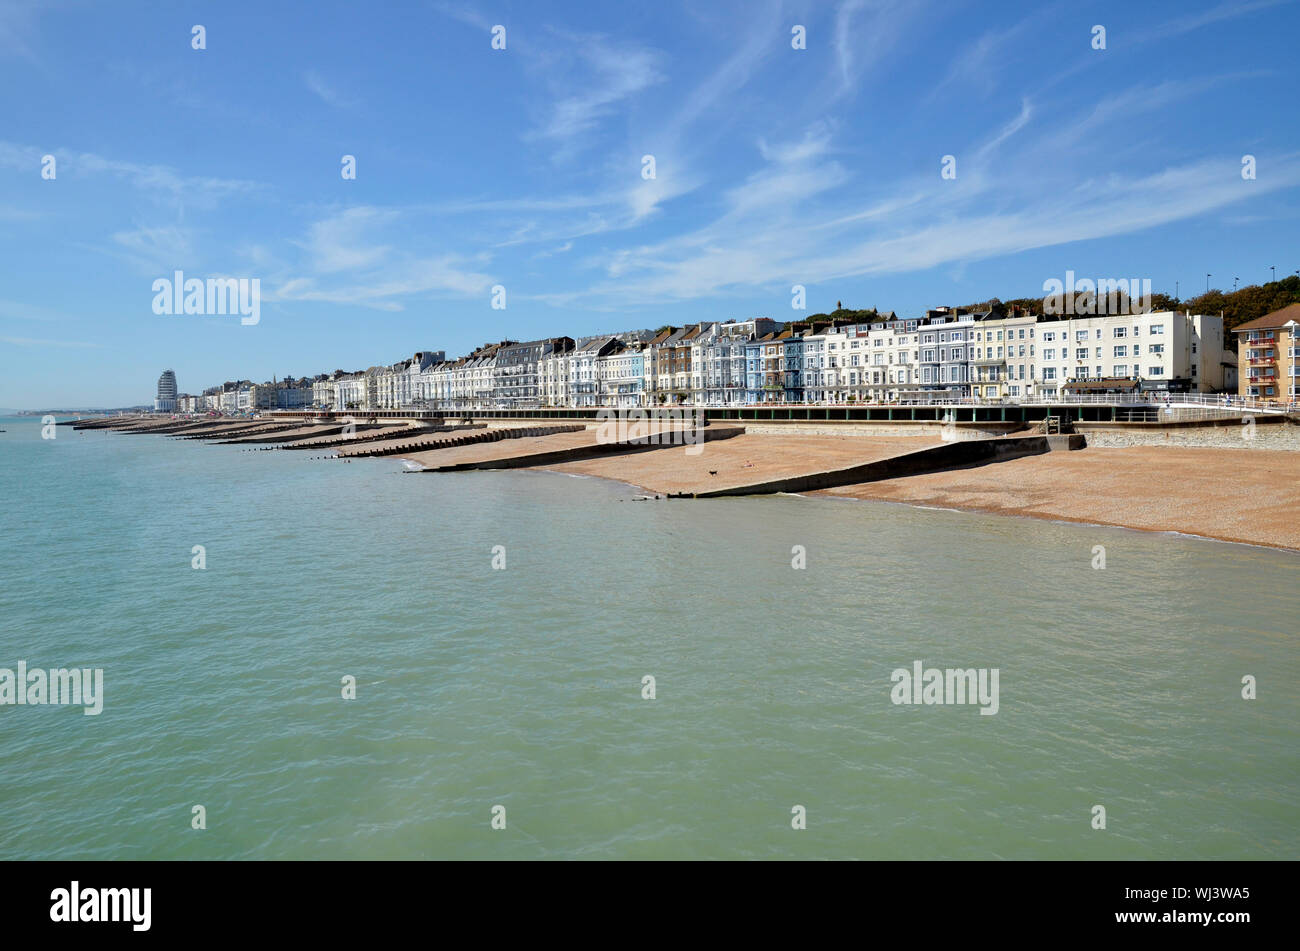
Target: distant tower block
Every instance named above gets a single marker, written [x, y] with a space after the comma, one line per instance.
[166, 399]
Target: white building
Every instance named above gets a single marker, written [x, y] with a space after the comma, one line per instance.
[1164, 350]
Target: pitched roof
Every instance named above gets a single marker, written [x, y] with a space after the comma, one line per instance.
[1271, 321]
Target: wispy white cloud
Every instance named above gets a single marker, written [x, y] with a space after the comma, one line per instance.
[465, 13]
[390, 288]
[1230, 10]
[161, 182]
[343, 242]
[17, 26]
[617, 72]
[982, 64]
[153, 248]
[866, 32]
[328, 93]
[342, 261]
[929, 229]
[1007, 131]
[1151, 97]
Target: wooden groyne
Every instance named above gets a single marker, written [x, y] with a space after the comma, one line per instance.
[664, 439]
[383, 434]
[405, 447]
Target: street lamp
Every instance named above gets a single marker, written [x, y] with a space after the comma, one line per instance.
[1207, 283]
[1273, 269]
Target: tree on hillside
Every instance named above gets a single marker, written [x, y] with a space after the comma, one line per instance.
[1247, 304]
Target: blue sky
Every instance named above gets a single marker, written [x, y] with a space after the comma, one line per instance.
[523, 167]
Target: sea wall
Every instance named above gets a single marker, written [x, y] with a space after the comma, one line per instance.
[1283, 436]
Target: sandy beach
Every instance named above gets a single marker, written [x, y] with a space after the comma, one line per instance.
[1250, 496]
[743, 460]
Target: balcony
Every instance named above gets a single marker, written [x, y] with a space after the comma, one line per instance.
[1260, 361]
[1263, 340]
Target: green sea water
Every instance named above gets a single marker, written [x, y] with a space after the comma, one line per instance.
[522, 687]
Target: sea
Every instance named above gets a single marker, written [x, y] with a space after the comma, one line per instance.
[314, 659]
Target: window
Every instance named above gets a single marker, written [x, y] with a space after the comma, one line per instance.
[1081, 353]
[1081, 335]
[1049, 373]
[1119, 332]
[1120, 369]
[1049, 336]
[1049, 354]
[1137, 349]
[1156, 348]
[1155, 371]
[1157, 329]
[1137, 331]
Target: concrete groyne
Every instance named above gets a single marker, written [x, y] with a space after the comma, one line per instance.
[953, 455]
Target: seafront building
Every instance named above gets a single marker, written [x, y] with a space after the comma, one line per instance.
[165, 400]
[1268, 350]
[946, 354]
